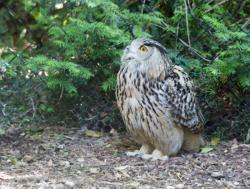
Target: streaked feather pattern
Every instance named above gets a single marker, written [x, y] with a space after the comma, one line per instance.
[156, 98]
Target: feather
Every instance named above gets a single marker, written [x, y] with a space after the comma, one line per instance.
[185, 111]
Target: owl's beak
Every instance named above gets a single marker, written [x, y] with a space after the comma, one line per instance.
[128, 54]
[127, 58]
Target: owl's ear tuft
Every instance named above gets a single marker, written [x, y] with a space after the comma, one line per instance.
[158, 46]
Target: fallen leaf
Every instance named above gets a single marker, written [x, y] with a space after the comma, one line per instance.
[4, 176]
[206, 149]
[35, 137]
[34, 130]
[135, 184]
[215, 141]
[12, 160]
[91, 133]
[179, 186]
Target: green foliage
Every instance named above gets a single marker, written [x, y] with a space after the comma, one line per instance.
[217, 56]
[59, 74]
[56, 52]
[53, 52]
[87, 41]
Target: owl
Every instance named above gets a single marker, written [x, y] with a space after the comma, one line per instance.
[157, 102]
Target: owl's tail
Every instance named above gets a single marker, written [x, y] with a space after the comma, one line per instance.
[192, 141]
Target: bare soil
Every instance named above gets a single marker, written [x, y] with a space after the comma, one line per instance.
[58, 157]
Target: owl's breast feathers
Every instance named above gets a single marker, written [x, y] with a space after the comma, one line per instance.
[170, 93]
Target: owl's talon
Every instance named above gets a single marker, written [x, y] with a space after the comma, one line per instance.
[162, 158]
[158, 155]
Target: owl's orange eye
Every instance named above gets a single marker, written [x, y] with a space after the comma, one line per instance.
[143, 48]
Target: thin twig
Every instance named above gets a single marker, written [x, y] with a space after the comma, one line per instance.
[209, 2]
[110, 183]
[188, 4]
[143, 5]
[176, 39]
[23, 114]
[187, 24]
[3, 110]
[33, 107]
[216, 5]
[246, 23]
[242, 6]
[61, 96]
[88, 119]
[191, 49]
[178, 175]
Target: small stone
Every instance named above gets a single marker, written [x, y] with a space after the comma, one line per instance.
[58, 186]
[180, 186]
[234, 148]
[80, 160]
[170, 187]
[94, 170]
[64, 163]
[246, 172]
[61, 146]
[41, 148]
[121, 167]
[28, 158]
[50, 163]
[236, 183]
[217, 175]
[69, 183]
[235, 141]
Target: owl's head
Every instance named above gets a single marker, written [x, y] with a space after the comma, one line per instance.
[146, 53]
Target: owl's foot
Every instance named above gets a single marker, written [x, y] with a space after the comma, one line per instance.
[144, 150]
[156, 155]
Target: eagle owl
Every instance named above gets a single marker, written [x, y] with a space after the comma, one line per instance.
[157, 102]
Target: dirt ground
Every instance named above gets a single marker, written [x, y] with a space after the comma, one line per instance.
[53, 157]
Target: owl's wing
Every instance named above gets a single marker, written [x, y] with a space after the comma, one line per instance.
[181, 100]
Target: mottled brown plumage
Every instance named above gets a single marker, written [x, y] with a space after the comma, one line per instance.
[157, 101]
